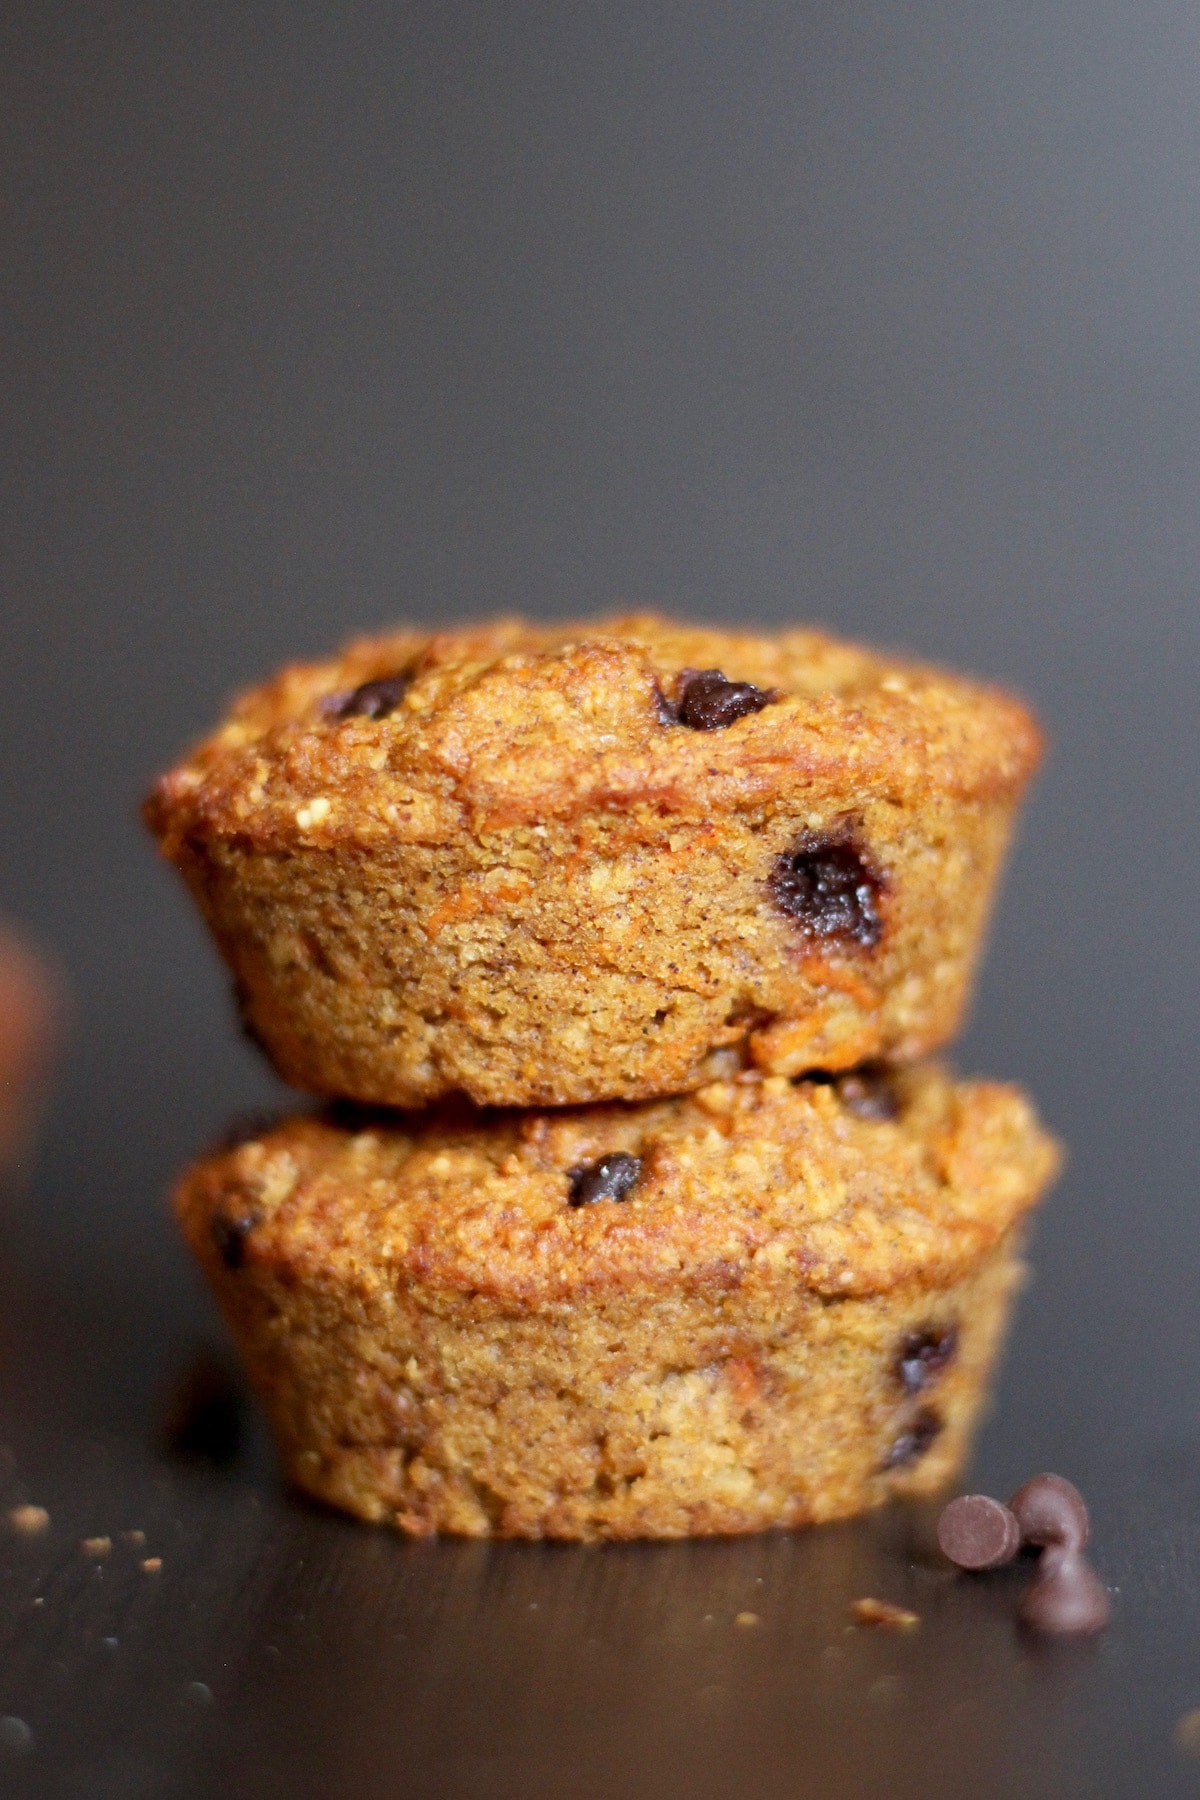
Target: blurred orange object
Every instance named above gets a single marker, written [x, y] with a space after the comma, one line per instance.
[31, 1010]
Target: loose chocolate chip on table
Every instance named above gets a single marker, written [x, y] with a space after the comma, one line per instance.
[374, 699]
[608, 1179]
[925, 1354]
[229, 1234]
[868, 1093]
[977, 1532]
[824, 884]
[1050, 1511]
[914, 1440]
[709, 701]
[1066, 1596]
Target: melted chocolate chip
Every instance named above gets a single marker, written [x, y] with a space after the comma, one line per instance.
[824, 884]
[374, 699]
[1066, 1596]
[709, 701]
[868, 1093]
[914, 1440]
[229, 1234]
[610, 1178]
[977, 1532]
[1050, 1511]
[923, 1355]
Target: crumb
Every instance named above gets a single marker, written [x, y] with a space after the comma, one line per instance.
[747, 1618]
[136, 1538]
[882, 1612]
[151, 1564]
[29, 1521]
[97, 1546]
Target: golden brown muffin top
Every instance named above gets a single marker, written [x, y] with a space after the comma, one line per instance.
[849, 1187]
[412, 737]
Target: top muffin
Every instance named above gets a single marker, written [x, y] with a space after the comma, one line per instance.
[546, 865]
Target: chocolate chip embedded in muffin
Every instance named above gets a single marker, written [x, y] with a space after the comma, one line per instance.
[230, 1231]
[610, 1178]
[374, 699]
[924, 1354]
[916, 1438]
[869, 1094]
[709, 701]
[826, 886]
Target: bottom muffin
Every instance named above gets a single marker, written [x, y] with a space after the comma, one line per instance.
[768, 1303]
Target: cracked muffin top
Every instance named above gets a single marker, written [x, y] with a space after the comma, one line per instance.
[413, 737]
[847, 1187]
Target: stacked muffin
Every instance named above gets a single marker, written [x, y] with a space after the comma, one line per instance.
[648, 929]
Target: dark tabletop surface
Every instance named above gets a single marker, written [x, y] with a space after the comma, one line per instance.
[317, 316]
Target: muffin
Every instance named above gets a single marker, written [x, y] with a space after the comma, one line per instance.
[768, 1303]
[551, 866]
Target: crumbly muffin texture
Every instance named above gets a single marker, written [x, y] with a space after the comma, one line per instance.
[551, 866]
[768, 1303]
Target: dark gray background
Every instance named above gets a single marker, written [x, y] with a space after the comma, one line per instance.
[319, 316]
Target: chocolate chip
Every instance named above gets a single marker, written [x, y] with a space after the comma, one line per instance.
[868, 1093]
[914, 1440]
[1051, 1512]
[824, 884]
[709, 701]
[665, 708]
[924, 1354]
[229, 1234]
[374, 699]
[329, 706]
[977, 1532]
[1066, 1596]
[610, 1178]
